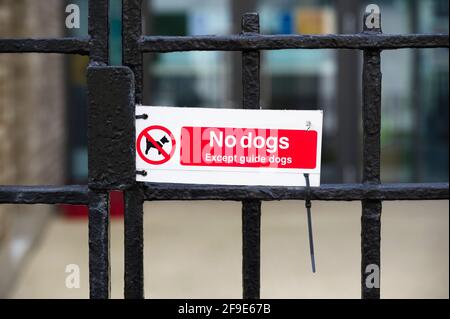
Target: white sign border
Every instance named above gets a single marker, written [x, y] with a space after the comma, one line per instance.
[177, 117]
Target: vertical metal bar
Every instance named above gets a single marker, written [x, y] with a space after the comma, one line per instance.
[251, 233]
[131, 33]
[148, 59]
[134, 199]
[99, 31]
[238, 9]
[134, 244]
[371, 209]
[99, 263]
[111, 162]
[251, 209]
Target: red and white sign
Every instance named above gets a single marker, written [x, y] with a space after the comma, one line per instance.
[228, 146]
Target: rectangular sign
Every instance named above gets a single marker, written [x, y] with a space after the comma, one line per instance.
[228, 146]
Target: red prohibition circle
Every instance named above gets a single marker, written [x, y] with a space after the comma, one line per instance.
[145, 133]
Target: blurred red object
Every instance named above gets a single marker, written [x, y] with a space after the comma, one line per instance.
[79, 211]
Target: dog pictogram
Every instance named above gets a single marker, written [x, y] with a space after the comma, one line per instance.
[156, 145]
[160, 143]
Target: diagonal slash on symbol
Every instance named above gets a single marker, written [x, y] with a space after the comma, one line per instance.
[157, 146]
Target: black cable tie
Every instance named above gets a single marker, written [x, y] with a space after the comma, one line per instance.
[308, 206]
[143, 173]
[142, 117]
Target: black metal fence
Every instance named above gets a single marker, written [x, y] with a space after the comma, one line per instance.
[113, 93]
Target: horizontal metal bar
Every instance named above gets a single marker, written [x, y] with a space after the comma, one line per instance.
[52, 45]
[338, 192]
[277, 42]
[77, 194]
[71, 194]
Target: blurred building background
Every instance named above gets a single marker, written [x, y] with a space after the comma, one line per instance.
[415, 82]
[32, 124]
[43, 99]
